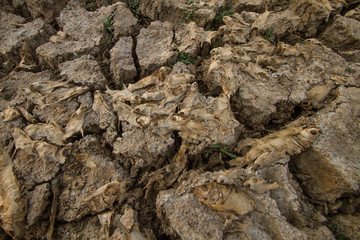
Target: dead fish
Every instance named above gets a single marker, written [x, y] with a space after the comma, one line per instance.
[28, 116]
[278, 145]
[22, 140]
[76, 122]
[260, 185]
[49, 152]
[269, 159]
[224, 198]
[58, 97]
[49, 131]
[13, 208]
[60, 37]
[10, 114]
[105, 196]
[151, 80]
[317, 95]
[283, 49]
[166, 176]
[328, 5]
[124, 95]
[47, 87]
[270, 61]
[176, 79]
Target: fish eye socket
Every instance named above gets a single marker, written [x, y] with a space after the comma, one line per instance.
[313, 132]
[204, 188]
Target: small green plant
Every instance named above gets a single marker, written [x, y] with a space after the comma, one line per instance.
[192, 1]
[91, 5]
[188, 15]
[268, 37]
[150, 210]
[338, 235]
[217, 42]
[134, 7]
[218, 20]
[349, 69]
[221, 149]
[121, 84]
[108, 23]
[182, 57]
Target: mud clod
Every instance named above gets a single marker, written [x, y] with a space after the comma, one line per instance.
[180, 119]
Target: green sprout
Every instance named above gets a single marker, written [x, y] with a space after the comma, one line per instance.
[182, 57]
[188, 15]
[134, 7]
[350, 70]
[268, 36]
[91, 5]
[192, 1]
[217, 42]
[221, 149]
[218, 21]
[121, 84]
[108, 23]
[151, 210]
[338, 235]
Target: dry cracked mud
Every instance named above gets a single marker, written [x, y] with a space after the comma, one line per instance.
[186, 119]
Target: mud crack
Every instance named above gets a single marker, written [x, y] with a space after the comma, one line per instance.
[136, 59]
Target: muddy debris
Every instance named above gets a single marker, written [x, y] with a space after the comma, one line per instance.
[20, 40]
[187, 119]
[83, 71]
[122, 62]
[161, 36]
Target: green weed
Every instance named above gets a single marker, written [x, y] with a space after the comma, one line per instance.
[192, 1]
[218, 20]
[182, 57]
[150, 210]
[217, 42]
[188, 15]
[268, 37]
[121, 84]
[108, 23]
[91, 5]
[134, 7]
[349, 69]
[221, 149]
[338, 235]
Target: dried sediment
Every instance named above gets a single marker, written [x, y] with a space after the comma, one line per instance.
[13, 206]
[161, 36]
[271, 80]
[333, 160]
[20, 39]
[162, 104]
[149, 125]
[82, 33]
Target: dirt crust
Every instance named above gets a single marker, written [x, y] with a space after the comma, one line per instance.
[186, 119]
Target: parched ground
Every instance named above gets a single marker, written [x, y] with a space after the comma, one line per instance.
[186, 119]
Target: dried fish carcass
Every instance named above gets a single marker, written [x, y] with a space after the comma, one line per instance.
[269, 149]
[12, 205]
[224, 198]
